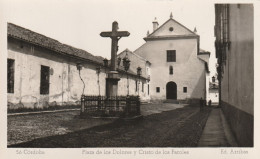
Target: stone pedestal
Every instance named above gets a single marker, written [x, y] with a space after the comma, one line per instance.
[113, 78]
[112, 83]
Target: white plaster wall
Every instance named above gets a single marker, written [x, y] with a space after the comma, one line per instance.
[207, 86]
[188, 70]
[65, 87]
[214, 96]
[238, 79]
[177, 29]
[135, 63]
[204, 57]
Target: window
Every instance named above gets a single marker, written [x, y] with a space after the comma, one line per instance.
[157, 89]
[10, 76]
[170, 70]
[148, 87]
[142, 87]
[184, 89]
[45, 79]
[171, 55]
[136, 86]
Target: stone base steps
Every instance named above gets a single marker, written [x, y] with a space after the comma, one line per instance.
[172, 101]
[144, 102]
[134, 118]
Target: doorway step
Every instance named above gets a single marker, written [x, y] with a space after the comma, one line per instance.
[174, 101]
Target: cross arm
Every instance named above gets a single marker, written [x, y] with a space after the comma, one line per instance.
[106, 34]
[116, 34]
[123, 33]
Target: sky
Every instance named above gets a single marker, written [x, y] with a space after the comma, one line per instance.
[78, 23]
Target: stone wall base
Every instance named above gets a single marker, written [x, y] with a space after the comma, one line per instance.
[40, 105]
[194, 101]
[241, 123]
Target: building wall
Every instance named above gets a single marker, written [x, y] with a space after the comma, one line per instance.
[237, 84]
[178, 29]
[204, 57]
[213, 96]
[188, 70]
[143, 93]
[239, 68]
[66, 86]
[136, 61]
[207, 87]
[212, 93]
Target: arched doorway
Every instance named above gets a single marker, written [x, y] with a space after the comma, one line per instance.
[171, 90]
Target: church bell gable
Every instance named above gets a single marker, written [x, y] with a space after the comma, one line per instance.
[171, 28]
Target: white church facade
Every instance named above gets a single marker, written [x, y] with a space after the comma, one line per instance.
[178, 65]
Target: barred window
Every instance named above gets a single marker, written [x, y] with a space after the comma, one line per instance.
[45, 80]
[171, 55]
[142, 87]
[171, 70]
[148, 87]
[157, 89]
[10, 76]
[185, 89]
[136, 86]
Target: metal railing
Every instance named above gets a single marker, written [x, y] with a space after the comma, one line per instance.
[114, 106]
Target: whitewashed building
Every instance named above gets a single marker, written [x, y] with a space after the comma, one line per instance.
[178, 65]
[42, 72]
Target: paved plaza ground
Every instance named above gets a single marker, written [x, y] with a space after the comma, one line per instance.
[22, 128]
[163, 125]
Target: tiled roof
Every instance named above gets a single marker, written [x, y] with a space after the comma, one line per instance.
[49, 43]
[129, 51]
[18, 32]
[203, 52]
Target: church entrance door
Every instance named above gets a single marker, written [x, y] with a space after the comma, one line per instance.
[171, 90]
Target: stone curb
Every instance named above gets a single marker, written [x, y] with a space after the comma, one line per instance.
[40, 112]
[227, 130]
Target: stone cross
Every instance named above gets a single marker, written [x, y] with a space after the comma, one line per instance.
[115, 36]
[113, 78]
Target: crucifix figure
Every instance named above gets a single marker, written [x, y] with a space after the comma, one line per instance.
[115, 36]
[112, 79]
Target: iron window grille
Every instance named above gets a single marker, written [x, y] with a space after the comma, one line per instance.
[171, 70]
[45, 80]
[185, 89]
[10, 76]
[157, 89]
[171, 55]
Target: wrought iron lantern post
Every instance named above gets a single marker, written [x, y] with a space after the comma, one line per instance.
[79, 68]
[105, 61]
[98, 69]
[118, 61]
[126, 64]
[139, 72]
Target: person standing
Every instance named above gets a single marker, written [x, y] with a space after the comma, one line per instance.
[201, 104]
[210, 102]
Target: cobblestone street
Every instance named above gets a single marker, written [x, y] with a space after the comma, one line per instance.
[172, 128]
[22, 128]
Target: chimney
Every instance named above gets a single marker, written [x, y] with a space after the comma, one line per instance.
[195, 30]
[147, 33]
[155, 24]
